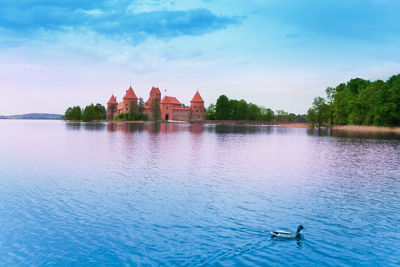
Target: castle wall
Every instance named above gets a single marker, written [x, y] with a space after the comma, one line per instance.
[181, 115]
[167, 109]
[196, 117]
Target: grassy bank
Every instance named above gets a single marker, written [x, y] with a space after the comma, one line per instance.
[238, 122]
[293, 124]
[367, 129]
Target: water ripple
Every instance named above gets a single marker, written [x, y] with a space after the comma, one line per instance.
[195, 195]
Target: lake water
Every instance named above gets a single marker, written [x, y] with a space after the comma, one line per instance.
[179, 194]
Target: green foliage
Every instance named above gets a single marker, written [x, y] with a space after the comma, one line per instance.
[123, 117]
[223, 110]
[73, 113]
[281, 115]
[132, 117]
[267, 114]
[100, 111]
[254, 112]
[155, 109]
[141, 105]
[113, 109]
[135, 112]
[133, 108]
[319, 112]
[231, 109]
[89, 113]
[210, 112]
[363, 102]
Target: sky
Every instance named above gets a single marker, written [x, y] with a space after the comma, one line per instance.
[275, 53]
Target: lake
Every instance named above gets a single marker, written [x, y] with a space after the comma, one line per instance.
[179, 194]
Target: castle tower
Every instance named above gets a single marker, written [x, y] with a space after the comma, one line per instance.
[197, 108]
[111, 108]
[154, 93]
[127, 99]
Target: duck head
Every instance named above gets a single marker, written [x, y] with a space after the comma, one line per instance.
[299, 228]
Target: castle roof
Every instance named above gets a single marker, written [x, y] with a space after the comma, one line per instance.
[113, 100]
[170, 100]
[130, 94]
[197, 98]
[155, 90]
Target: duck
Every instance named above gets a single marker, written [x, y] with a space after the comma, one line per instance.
[287, 234]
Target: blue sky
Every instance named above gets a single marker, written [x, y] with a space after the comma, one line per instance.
[279, 54]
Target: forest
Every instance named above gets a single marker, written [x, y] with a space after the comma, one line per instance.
[359, 102]
[89, 113]
[231, 109]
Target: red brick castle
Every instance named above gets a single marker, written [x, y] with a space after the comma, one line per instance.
[170, 107]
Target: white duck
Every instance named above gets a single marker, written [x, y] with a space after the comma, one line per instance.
[287, 234]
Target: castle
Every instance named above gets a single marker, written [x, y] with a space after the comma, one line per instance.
[170, 107]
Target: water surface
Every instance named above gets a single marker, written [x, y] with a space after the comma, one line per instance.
[179, 194]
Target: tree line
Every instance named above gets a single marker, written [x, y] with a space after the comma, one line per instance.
[89, 113]
[231, 109]
[98, 112]
[359, 102]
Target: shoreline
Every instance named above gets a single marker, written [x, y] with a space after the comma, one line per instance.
[342, 128]
[238, 122]
[367, 129]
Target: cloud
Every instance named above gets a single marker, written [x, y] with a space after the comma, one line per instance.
[113, 19]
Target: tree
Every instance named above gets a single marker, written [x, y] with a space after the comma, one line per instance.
[210, 112]
[311, 116]
[291, 117]
[232, 110]
[133, 108]
[155, 109]
[254, 112]
[141, 105]
[73, 113]
[267, 114]
[112, 110]
[100, 111]
[341, 104]
[319, 112]
[281, 115]
[223, 109]
[89, 113]
[330, 93]
[242, 110]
